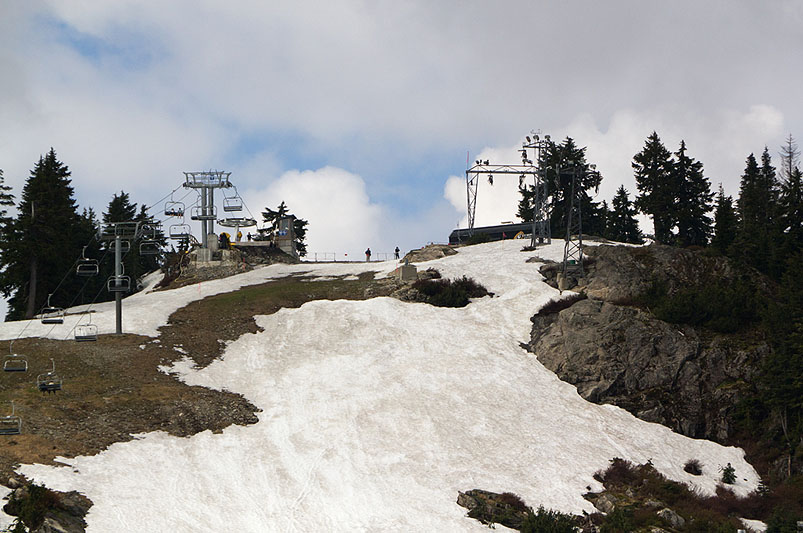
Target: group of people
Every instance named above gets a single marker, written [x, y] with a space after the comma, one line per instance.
[368, 254]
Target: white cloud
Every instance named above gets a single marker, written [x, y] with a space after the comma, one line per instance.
[342, 218]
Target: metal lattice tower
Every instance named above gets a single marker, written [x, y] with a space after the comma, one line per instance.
[573, 249]
[206, 182]
[541, 233]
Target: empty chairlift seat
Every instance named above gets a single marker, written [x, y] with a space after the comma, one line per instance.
[119, 284]
[15, 363]
[180, 231]
[149, 248]
[10, 424]
[51, 314]
[86, 332]
[234, 203]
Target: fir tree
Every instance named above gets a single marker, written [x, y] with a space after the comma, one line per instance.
[791, 211]
[565, 162]
[790, 158]
[758, 239]
[622, 223]
[42, 242]
[272, 217]
[725, 223]
[693, 199]
[653, 168]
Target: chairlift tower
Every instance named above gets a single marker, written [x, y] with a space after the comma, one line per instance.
[116, 235]
[573, 249]
[534, 169]
[205, 183]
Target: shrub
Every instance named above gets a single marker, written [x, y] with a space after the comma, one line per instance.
[548, 521]
[556, 306]
[32, 507]
[618, 521]
[513, 500]
[693, 467]
[728, 474]
[450, 293]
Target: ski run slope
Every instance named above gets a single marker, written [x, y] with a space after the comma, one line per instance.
[374, 415]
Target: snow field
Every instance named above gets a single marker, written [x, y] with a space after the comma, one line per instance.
[374, 414]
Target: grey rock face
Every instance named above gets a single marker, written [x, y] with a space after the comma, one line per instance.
[666, 373]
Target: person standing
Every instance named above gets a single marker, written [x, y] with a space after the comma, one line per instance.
[396, 253]
[368, 255]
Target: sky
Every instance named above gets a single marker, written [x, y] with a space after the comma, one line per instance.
[361, 115]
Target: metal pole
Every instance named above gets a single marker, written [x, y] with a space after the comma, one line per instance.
[118, 296]
[211, 207]
[204, 231]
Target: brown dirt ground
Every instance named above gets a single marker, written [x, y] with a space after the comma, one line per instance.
[112, 387]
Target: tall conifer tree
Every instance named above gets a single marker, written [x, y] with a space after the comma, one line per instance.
[622, 223]
[42, 242]
[725, 223]
[693, 199]
[653, 169]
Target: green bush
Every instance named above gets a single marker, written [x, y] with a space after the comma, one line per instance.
[618, 521]
[722, 306]
[32, 508]
[728, 474]
[548, 521]
[450, 293]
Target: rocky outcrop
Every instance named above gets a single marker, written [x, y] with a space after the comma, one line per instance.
[675, 375]
[46, 511]
[491, 508]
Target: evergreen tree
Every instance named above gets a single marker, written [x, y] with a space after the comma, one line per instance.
[725, 223]
[622, 223]
[6, 200]
[790, 158]
[791, 211]
[564, 162]
[693, 199]
[653, 168]
[758, 239]
[42, 242]
[121, 209]
[272, 217]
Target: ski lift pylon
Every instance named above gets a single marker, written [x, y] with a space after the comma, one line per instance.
[49, 381]
[10, 424]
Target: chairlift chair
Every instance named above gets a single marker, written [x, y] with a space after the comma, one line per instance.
[50, 381]
[180, 231]
[125, 246]
[15, 363]
[233, 203]
[86, 266]
[174, 209]
[200, 212]
[86, 333]
[149, 248]
[10, 424]
[118, 284]
[51, 314]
